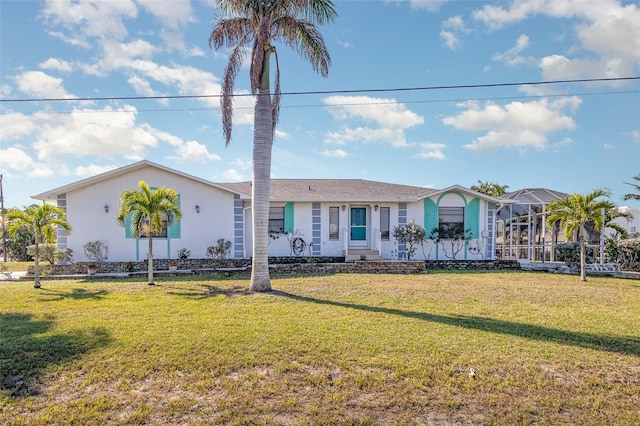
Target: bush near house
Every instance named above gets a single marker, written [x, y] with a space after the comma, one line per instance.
[220, 251]
[625, 253]
[569, 253]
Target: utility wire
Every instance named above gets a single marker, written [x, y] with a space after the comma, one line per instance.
[330, 92]
[284, 106]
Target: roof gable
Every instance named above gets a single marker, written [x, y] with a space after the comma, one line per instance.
[52, 194]
[460, 188]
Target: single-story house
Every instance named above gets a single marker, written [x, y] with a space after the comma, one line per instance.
[308, 217]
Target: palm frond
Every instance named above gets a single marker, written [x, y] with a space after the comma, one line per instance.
[632, 196]
[305, 38]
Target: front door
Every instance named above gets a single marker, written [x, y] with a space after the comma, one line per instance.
[358, 227]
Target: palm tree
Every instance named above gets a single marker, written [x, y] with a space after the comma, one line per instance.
[631, 195]
[40, 221]
[146, 209]
[258, 23]
[574, 211]
[490, 188]
[610, 217]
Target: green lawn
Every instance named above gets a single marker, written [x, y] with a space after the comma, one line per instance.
[335, 349]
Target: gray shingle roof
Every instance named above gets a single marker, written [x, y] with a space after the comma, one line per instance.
[347, 190]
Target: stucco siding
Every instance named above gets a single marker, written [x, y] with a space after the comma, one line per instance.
[86, 214]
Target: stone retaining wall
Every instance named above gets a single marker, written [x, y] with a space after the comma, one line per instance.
[472, 265]
[358, 267]
[163, 264]
[314, 265]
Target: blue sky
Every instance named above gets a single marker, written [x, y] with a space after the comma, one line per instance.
[567, 137]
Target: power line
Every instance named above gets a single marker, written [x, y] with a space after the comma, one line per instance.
[330, 92]
[493, 98]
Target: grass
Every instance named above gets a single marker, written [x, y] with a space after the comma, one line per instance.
[19, 266]
[491, 348]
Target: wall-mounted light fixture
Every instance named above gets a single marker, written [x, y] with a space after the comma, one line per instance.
[106, 208]
[344, 208]
[197, 208]
[375, 207]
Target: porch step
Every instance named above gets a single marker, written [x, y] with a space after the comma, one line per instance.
[357, 255]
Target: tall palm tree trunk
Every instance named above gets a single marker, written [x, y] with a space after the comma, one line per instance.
[261, 190]
[583, 255]
[150, 261]
[36, 264]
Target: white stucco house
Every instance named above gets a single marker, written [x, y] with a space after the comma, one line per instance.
[321, 217]
[632, 226]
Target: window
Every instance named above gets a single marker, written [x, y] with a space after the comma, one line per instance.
[451, 218]
[633, 229]
[334, 223]
[384, 222]
[163, 232]
[276, 219]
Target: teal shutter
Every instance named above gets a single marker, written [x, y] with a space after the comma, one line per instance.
[430, 215]
[174, 230]
[288, 218]
[127, 226]
[472, 217]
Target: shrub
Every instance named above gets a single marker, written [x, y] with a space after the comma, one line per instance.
[220, 250]
[50, 253]
[569, 253]
[410, 235]
[628, 254]
[183, 254]
[128, 267]
[97, 251]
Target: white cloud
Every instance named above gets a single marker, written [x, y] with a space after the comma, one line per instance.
[242, 164]
[85, 132]
[609, 33]
[452, 28]
[92, 170]
[281, 134]
[41, 85]
[173, 14]
[454, 23]
[450, 39]
[14, 125]
[375, 119]
[557, 67]
[431, 151]
[515, 125]
[56, 65]
[233, 175]
[634, 135]
[195, 51]
[512, 57]
[195, 152]
[72, 40]
[18, 160]
[93, 18]
[334, 153]
[141, 86]
[187, 152]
